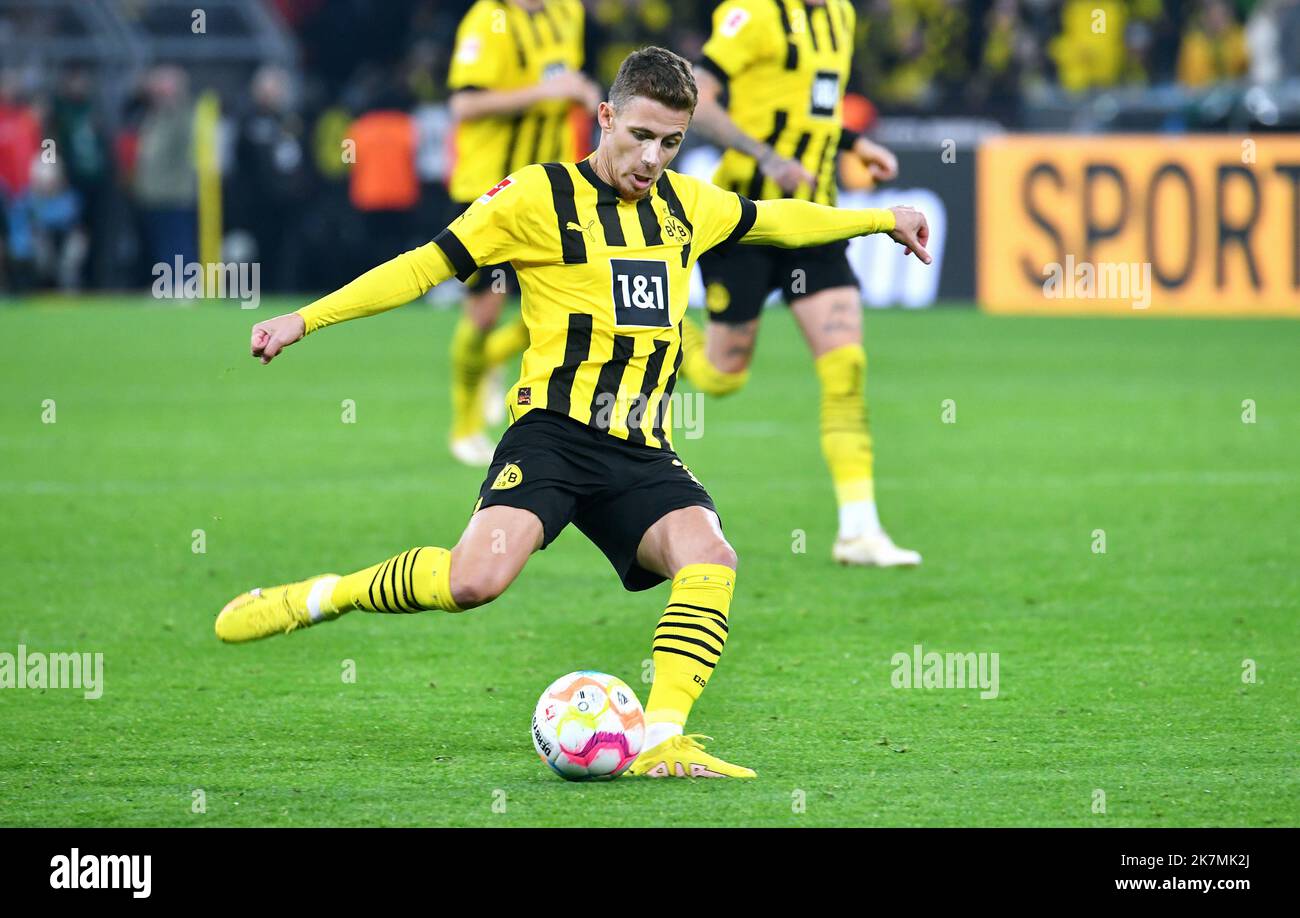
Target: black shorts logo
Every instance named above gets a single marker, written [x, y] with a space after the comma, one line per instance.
[825, 93]
[640, 292]
[508, 478]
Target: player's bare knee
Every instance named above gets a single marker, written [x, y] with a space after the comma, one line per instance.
[474, 586]
[720, 552]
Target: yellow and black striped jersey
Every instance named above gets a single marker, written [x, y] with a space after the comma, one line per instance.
[501, 46]
[785, 64]
[604, 286]
[604, 281]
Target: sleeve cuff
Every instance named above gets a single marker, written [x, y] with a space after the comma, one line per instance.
[848, 138]
[308, 326]
[457, 255]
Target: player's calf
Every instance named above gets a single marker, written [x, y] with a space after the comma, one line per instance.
[688, 644]
[687, 546]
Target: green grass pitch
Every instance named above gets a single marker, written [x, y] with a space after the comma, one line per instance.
[1120, 672]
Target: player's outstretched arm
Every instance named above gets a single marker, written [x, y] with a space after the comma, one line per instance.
[713, 121]
[394, 283]
[794, 224]
[471, 104]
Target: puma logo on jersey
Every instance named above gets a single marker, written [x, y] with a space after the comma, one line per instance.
[587, 231]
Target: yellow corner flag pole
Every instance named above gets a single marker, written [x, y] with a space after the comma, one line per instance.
[206, 115]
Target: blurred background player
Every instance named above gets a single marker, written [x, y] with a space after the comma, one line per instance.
[514, 78]
[780, 67]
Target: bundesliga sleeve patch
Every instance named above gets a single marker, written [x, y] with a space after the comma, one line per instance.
[493, 190]
[733, 22]
[468, 51]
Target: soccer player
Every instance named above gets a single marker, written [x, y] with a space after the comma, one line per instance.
[514, 76]
[783, 66]
[604, 250]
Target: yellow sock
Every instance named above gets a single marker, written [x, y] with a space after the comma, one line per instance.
[414, 581]
[504, 342]
[467, 366]
[688, 641]
[846, 439]
[700, 371]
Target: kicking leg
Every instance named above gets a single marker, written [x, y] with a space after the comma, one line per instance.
[687, 547]
[489, 556]
[831, 321]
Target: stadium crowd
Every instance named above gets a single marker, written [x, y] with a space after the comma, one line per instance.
[121, 194]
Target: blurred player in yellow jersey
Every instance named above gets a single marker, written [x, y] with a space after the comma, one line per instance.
[514, 79]
[783, 65]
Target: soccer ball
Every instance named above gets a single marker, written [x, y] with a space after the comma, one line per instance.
[588, 725]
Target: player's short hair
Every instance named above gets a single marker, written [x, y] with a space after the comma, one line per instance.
[658, 74]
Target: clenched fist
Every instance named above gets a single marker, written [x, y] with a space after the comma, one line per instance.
[274, 335]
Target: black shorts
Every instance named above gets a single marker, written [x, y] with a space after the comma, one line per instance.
[738, 279]
[613, 491]
[481, 280]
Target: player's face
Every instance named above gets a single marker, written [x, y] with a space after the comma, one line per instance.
[638, 142]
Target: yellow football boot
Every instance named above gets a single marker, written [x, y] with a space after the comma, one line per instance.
[262, 612]
[684, 757]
